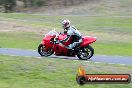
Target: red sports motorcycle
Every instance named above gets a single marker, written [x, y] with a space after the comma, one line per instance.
[51, 45]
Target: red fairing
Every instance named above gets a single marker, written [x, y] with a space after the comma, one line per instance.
[46, 41]
[63, 36]
[59, 50]
[88, 40]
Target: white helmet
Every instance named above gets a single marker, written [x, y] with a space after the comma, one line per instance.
[66, 23]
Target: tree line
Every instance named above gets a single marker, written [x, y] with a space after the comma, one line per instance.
[9, 5]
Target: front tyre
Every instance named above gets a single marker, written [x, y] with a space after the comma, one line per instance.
[43, 52]
[85, 53]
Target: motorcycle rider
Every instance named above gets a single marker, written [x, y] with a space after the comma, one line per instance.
[71, 32]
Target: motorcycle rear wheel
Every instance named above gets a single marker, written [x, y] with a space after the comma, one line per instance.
[42, 52]
[85, 53]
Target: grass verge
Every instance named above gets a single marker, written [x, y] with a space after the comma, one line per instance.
[31, 72]
[20, 40]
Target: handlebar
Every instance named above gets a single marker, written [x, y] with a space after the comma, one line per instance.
[54, 41]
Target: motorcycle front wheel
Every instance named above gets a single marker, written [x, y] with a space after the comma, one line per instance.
[42, 51]
[85, 53]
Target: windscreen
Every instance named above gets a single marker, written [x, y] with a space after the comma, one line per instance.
[52, 33]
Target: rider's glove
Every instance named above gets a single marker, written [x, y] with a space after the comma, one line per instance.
[61, 41]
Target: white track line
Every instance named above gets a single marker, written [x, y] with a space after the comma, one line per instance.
[97, 62]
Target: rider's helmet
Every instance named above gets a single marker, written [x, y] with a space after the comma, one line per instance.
[66, 23]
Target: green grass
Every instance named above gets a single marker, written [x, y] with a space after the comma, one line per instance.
[113, 34]
[82, 22]
[31, 72]
[20, 40]
[122, 49]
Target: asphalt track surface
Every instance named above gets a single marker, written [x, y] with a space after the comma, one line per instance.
[96, 58]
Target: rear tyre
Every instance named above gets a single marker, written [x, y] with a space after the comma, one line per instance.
[85, 53]
[42, 51]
